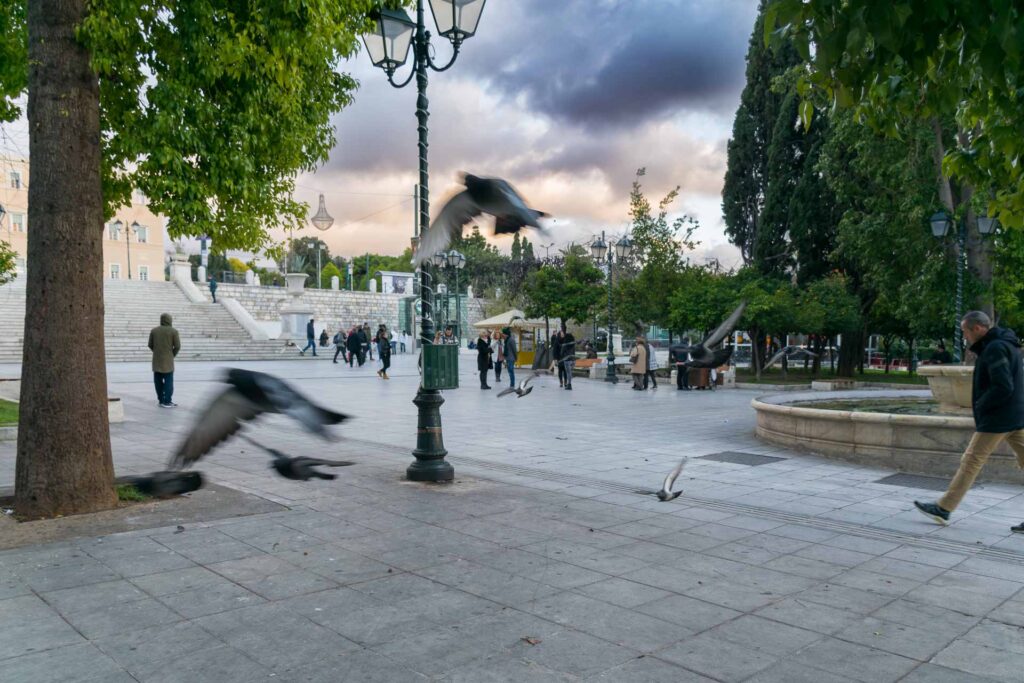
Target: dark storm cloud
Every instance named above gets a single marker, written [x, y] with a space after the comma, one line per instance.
[615, 63]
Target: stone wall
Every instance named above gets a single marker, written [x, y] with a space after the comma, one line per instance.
[330, 306]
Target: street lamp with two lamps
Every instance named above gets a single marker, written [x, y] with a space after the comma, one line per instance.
[134, 228]
[388, 46]
[602, 250]
[456, 261]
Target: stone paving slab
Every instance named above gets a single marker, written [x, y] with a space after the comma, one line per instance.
[541, 563]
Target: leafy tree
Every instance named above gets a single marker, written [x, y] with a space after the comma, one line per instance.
[211, 111]
[237, 265]
[8, 263]
[746, 177]
[517, 248]
[528, 250]
[484, 263]
[701, 301]
[928, 62]
[570, 290]
[828, 309]
[329, 271]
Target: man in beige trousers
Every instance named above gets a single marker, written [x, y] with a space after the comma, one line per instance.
[998, 403]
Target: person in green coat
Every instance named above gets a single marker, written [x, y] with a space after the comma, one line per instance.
[165, 343]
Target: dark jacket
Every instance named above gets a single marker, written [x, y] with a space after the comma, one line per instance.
[310, 331]
[998, 396]
[511, 351]
[483, 354]
[353, 343]
[383, 341]
[165, 344]
[556, 346]
[567, 348]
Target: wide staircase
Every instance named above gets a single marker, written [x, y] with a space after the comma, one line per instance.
[133, 308]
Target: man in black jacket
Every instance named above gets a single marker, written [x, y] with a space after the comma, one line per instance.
[556, 354]
[998, 403]
[567, 355]
[679, 355]
[310, 339]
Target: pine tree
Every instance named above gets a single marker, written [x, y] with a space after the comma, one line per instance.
[527, 250]
[746, 177]
[517, 248]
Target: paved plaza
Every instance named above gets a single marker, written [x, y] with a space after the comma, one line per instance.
[542, 562]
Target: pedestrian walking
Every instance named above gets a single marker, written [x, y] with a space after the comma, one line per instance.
[383, 341]
[679, 355]
[638, 363]
[353, 346]
[165, 343]
[652, 365]
[339, 343]
[367, 338]
[498, 346]
[213, 289]
[310, 339]
[997, 400]
[511, 355]
[567, 357]
[483, 357]
[556, 354]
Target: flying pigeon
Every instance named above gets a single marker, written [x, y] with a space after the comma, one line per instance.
[522, 390]
[163, 484]
[702, 354]
[249, 395]
[492, 196]
[666, 493]
[793, 352]
[300, 468]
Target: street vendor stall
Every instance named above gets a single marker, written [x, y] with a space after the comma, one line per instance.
[527, 332]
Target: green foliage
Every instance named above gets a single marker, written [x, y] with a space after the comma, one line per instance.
[907, 60]
[8, 263]
[701, 301]
[237, 265]
[8, 412]
[484, 263]
[211, 108]
[128, 493]
[329, 271]
[828, 307]
[517, 248]
[570, 290]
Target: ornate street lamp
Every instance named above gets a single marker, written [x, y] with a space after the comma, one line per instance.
[322, 221]
[600, 250]
[388, 46]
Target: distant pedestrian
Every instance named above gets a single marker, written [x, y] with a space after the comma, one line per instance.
[165, 343]
[942, 356]
[364, 345]
[652, 365]
[638, 363]
[567, 357]
[511, 354]
[997, 400]
[556, 355]
[498, 346]
[339, 344]
[310, 339]
[213, 289]
[483, 357]
[367, 339]
[680, 357]
[353, 346]
[383, 341]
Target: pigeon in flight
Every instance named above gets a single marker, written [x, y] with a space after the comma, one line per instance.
[300, 468]
[164, 484]
[702, 354]
[541, 366]
[492, 196]
[249, 395]
[522, 390]
[792, 352]
[666, 493]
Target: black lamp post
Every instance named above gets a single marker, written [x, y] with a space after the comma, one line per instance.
[388, 46]
[600, 250]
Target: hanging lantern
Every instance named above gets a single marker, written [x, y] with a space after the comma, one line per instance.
[322, 220]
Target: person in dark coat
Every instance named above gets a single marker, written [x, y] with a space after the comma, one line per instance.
[942, 356]
[310, 339]
[339, 344]
[367, 347]
[511, 354]
[213, 289]
[364, 344]
[324, 339]
[354, 346]
[997, 401]
[383, 344]
[679, 355]
[165, 343]
[556, 354]
[483, 357]
[567, 356]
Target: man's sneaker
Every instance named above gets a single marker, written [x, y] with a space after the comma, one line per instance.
[166, 405]
[934, 511]
[1019, 529]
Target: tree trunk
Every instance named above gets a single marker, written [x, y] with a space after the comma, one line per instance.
[64, 464]
[756, 343]
[851, 349]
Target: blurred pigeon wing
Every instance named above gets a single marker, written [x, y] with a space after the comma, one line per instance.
[670, 480]
[288, 401]
[725, 329]
[456, 212]
[506, 392]
[222, 418]
[776, 358]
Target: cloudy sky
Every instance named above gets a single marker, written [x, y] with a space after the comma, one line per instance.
[565, 100]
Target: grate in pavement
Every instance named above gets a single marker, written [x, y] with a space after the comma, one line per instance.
[915, 481]
[738, 458]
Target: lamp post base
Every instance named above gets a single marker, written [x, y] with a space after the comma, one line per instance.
[610, 376]
[430, 464]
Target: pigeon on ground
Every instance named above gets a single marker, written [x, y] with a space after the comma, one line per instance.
[165, 484]
[666, 493]
[492, 196]
[793, 353]
[702, 354]
[249, 395]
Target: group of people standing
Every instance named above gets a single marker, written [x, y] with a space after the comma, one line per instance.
[642, 364]
[495, 352]
[563, 353]
[355, 346]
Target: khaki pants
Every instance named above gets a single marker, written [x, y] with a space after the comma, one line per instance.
[981, 446]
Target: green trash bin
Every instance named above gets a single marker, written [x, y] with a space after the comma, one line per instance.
[441, 366]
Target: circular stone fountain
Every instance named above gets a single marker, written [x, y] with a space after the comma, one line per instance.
[902, 429]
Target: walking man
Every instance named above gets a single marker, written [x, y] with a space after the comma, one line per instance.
[556, 354]
[339, 343]
[567, 355]
[165, 343]
[310, 339]
[511, 355]
[997, 400]
[213, 289]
